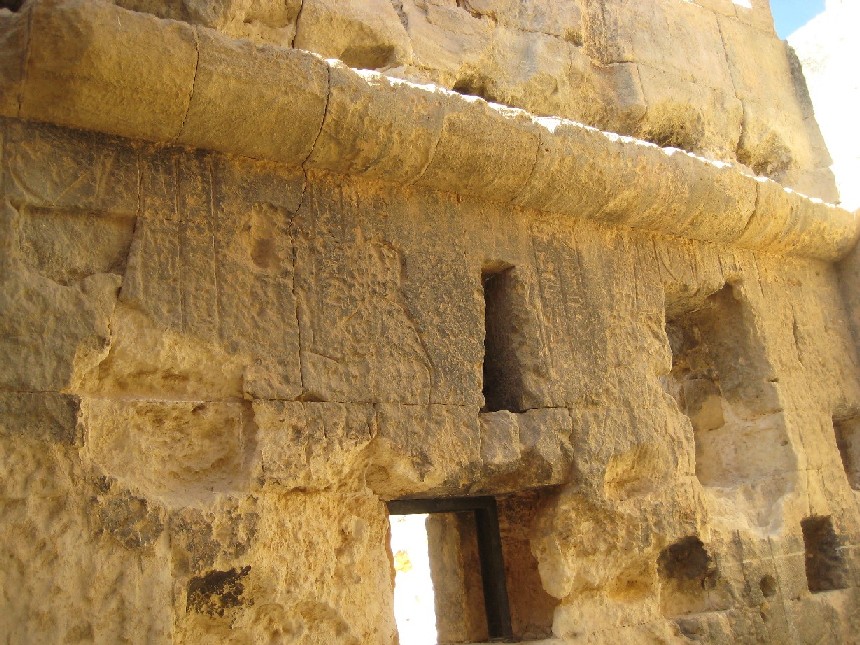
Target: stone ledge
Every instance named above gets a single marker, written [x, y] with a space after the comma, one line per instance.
[94, 66]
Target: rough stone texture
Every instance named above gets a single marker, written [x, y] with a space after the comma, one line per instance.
[230, 337]
[707, 76]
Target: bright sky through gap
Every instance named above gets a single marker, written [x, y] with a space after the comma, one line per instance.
[829, 51]
[414, 608]
[789, 15]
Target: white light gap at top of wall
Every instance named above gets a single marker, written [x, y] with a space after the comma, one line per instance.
[414, 601]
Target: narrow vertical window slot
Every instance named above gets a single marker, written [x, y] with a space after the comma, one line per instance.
[848, 442]
[502, 373]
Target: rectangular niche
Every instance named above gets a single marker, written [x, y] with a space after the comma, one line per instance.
[848, 442]
[825, 564]
[722, 380]
[502, 371]
[485, 580]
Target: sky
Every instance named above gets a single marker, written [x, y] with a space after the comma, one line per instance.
[791, 14]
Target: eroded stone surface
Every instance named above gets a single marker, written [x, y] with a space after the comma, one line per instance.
[217, 369]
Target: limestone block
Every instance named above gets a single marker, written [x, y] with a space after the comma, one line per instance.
[477, 139]
[446, 39]
[423, 450]
[550, 76]
[50, 332]
[441, 291]
[91, 65]
[212, 259]
[778, 137]
[93, 577]
[605, 162]
[681, 38]
[14, 34]
[816, 230]
[227, 105]
[590, 552]
[294, 590]
[42, 415]
[359, 342]
[522, 451]
[312, 446]
[689, 115]
[146, 361]
[179, 452]
[51, 167]
[364, 34]
[368, 131]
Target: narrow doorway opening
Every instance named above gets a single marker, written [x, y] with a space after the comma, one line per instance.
[467, 593]
[414, 607]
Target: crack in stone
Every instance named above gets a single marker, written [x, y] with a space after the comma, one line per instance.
[190, 91]
[25, 63]
[298, 17]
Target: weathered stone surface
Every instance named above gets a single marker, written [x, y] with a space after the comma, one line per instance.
[312, 446]
[221, 360]
[91, 65]
[284, 125]
[181, 452]
[607, 63]
[364, 34]
[41, 415]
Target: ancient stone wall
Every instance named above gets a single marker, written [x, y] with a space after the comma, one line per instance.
[247, 302]
[708, 76]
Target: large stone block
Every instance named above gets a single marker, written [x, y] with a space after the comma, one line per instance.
[212, 259]
[368, 132]
[50, 333]
[50, 167]
[359, 341]
[424, 450]
[227, 110]
[364, 34]
[179, 452]
[313, 446]
[92, 65]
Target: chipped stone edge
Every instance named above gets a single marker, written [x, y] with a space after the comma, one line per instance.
[785, 223]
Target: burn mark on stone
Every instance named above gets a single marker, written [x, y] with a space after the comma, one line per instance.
[129, 519]
[217, 591]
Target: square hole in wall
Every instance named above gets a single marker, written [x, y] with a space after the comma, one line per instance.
[825, 564]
